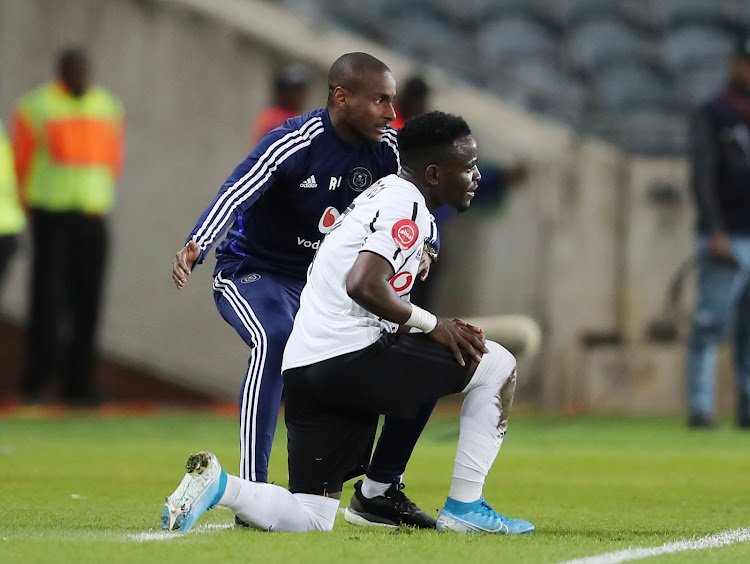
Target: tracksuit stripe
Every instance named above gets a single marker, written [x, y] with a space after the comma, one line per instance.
[251, 390]
[390, 138]
[220, 285]
[238, 184]
[243, 188]
[258, 376]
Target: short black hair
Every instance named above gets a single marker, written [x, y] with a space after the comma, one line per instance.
[429, 137]
[70, 55]
[415, 87]
[348, 71]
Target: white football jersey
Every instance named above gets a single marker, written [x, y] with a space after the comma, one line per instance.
[390, 219]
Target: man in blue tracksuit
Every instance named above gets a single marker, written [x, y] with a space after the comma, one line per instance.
[281, 201]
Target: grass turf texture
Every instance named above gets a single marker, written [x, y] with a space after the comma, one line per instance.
[86, 490]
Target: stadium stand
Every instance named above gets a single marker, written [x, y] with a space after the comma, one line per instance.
[695, 44]
[502, 41]
[470, 13]
[541, 87]
[564, 59]
[697, 84]
[422, 36]
[674, 13]
[563, 14]
[628, 86]
[602, 42]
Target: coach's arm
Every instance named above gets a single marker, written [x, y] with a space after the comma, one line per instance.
[367, 284]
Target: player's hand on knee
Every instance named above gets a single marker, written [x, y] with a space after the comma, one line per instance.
[183, 263]
[460, 336]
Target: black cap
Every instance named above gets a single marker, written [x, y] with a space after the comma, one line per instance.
[742, 47]
[292, 76]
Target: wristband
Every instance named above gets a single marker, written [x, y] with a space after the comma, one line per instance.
[421, 319]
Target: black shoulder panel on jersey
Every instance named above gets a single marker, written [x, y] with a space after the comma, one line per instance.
[414, 213]
[372, 223]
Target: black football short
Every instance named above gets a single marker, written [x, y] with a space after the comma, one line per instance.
[332, 407]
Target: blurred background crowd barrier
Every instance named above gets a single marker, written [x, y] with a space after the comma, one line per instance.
[591, 94]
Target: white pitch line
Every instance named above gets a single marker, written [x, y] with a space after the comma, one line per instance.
[724, 538]
[167, 535]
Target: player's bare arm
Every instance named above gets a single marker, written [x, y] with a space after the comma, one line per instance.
[183, 263]
[367, 284]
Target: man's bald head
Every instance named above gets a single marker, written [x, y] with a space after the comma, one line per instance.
[351, 72]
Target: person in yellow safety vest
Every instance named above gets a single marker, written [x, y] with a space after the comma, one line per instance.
[12, 217]
[68, 143]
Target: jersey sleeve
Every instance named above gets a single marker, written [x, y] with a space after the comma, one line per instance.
[397, 231]
[252, 177]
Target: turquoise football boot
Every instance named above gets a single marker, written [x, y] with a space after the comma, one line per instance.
[200, 489]
[479, 517]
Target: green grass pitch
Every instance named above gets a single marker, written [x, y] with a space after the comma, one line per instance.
[80, 489]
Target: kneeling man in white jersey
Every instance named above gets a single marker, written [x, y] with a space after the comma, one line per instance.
[350, 358]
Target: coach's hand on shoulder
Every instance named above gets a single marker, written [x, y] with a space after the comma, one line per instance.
[459, 335]
[183, 263]
[424, 267]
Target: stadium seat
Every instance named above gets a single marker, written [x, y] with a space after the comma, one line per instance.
[630, 86]
[562, 14]
[473, 12]
[695, 45]
[642, 132]
[738, 13]
[351, 14]
[675, 13]
[653, 133]
[502, 40]
[542, 88]
[432, 40]
[371, 17]
[605, 41]
[698, 84]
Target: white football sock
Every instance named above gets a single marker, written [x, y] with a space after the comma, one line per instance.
[464, 490]
[371, 488]
[484, 419]
[273, 508]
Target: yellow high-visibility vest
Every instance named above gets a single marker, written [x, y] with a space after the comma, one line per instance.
[12, 217]
[69, 150]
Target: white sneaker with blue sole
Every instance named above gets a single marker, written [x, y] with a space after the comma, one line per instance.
[479, 517]
[200, 489]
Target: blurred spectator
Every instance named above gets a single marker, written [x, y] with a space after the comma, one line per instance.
[413, 100]
[12, 218]
[721, 177]
[69, 146]
[291, 87]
